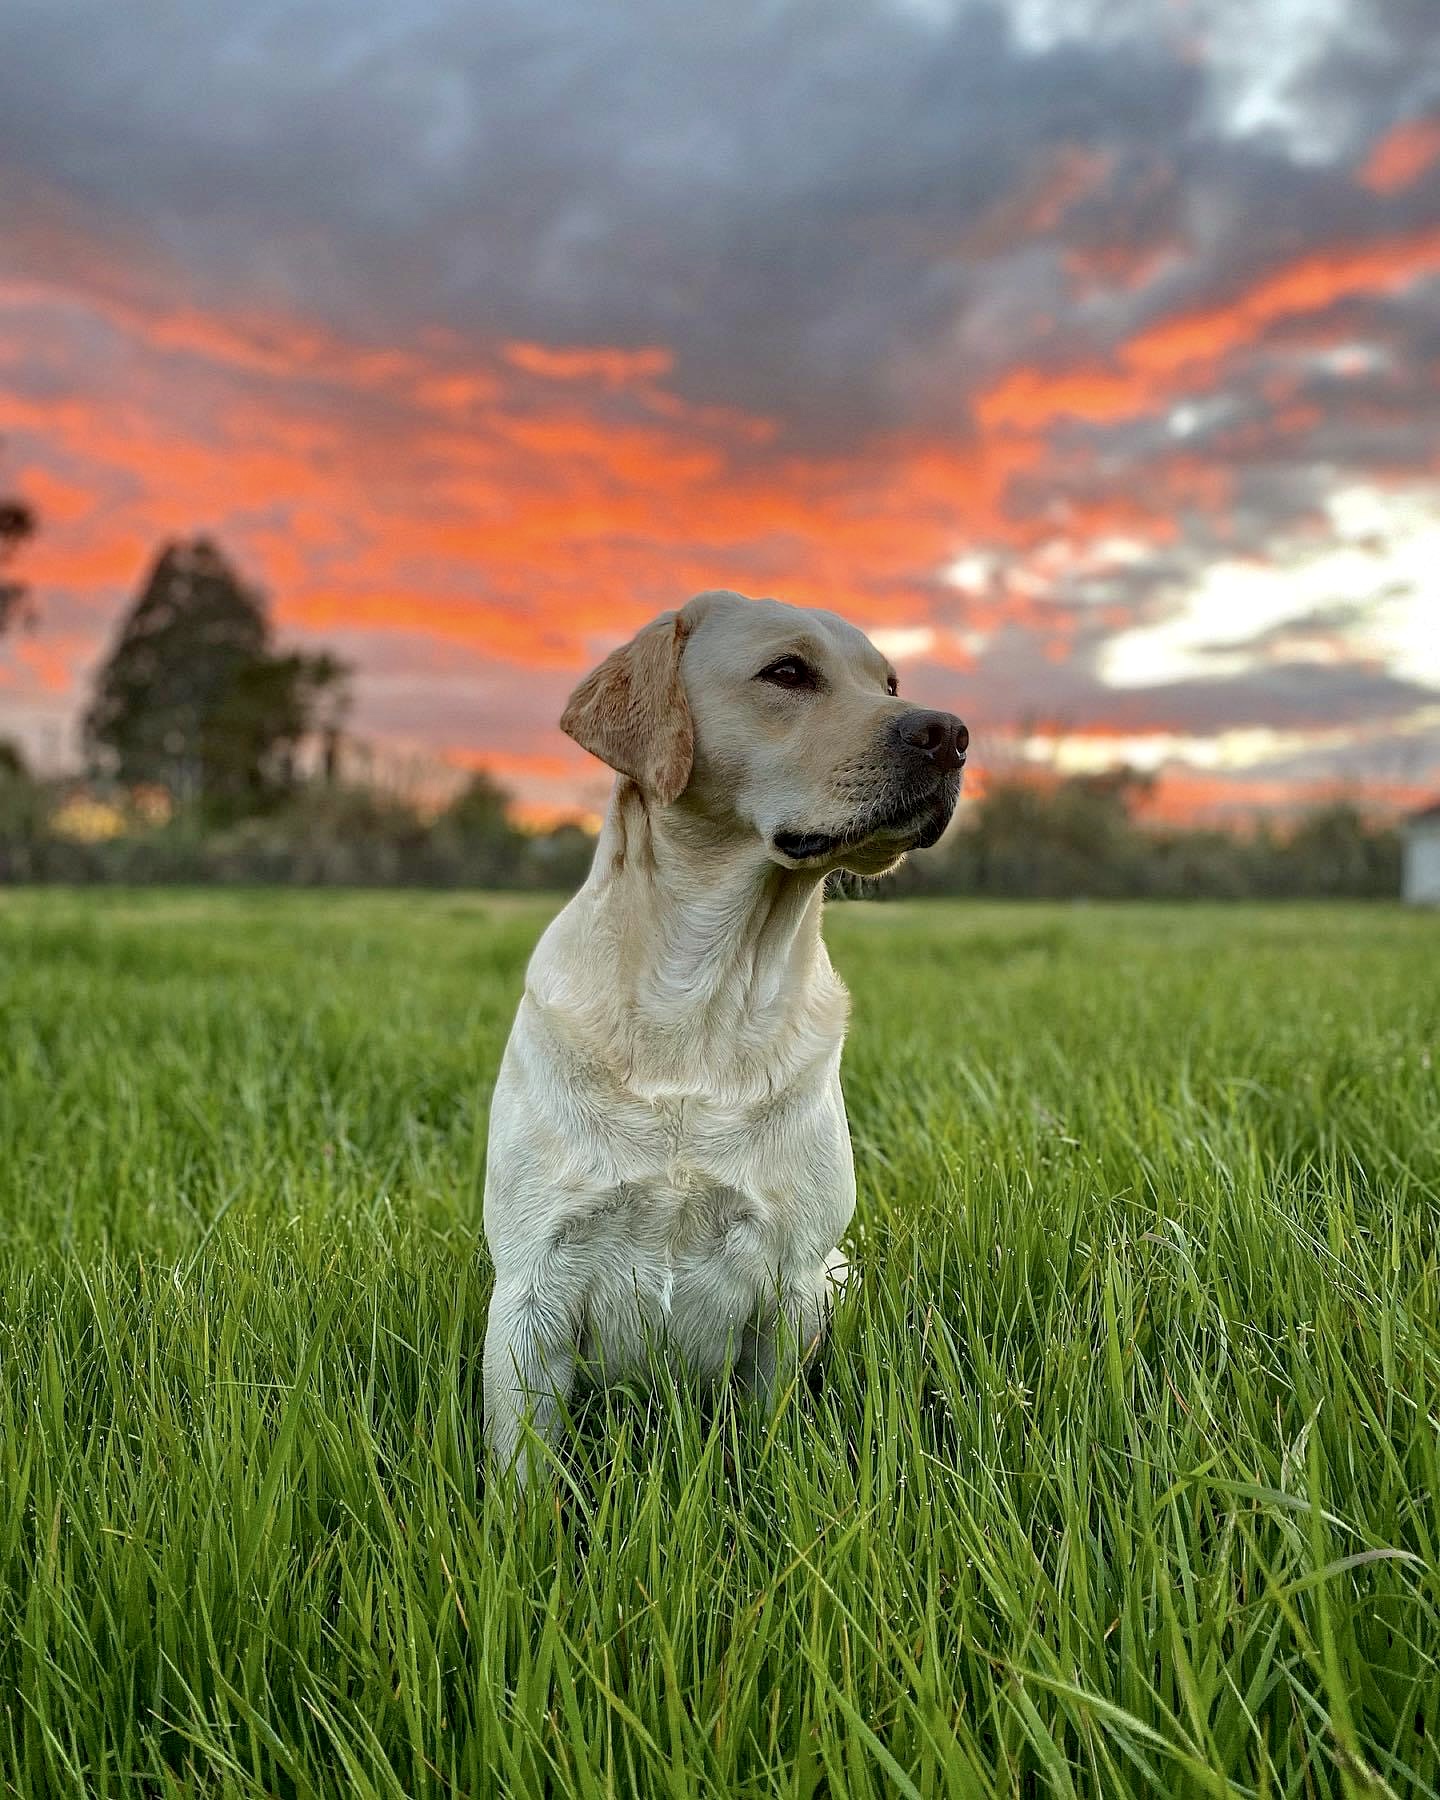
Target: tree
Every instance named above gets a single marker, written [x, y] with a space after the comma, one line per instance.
[1055, 838]
[250, 742]
[481, 810]
[24, 809]
[17, 523]
[194, 698]
[1335, 850]
[560, 858]
[474, 839]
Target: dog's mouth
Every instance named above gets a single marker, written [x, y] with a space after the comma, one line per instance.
[909, 822]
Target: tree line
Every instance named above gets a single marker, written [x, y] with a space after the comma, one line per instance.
[1087, 838]
[215, 755]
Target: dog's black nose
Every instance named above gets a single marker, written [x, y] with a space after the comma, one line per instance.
[939, 737]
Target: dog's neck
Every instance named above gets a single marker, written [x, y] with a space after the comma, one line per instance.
[711, 949]
[704, 922]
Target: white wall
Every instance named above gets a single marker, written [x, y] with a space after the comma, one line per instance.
[1420, 882]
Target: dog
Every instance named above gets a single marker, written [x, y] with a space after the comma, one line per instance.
[669, 1157]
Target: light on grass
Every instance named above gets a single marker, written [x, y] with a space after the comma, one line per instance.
[1117, 1477]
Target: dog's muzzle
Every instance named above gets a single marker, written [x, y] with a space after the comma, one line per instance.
[927, 753]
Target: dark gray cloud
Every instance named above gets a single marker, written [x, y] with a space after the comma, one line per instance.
[781, 193]
[791, 196]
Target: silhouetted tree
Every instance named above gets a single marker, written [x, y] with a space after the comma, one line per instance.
[1032, 837]
[249, 743]
[1335, 850]
[23, 817]
[561, 857]
[192, 696]
[480, 809]
[17, 523]
[1072, 837]
[474, 841]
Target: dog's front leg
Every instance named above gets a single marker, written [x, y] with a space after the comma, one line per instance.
[530, 1354]
[791, 1326]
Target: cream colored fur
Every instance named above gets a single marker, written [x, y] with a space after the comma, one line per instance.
[669, 1156]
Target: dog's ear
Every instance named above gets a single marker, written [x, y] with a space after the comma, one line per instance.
[632, 713]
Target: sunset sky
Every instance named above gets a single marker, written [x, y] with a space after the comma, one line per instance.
[1085, 352]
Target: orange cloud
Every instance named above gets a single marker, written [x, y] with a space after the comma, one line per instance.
[1028, 399]
[1184, 353]
[1401, 157]
[47, 663]
[613, 368]
[1120, 265]
[1181, 797]
[464, 509]
[431, 493]
[1057, 181]
[1310, 284]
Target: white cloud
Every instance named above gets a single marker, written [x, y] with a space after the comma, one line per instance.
[902, 642]
[1237, 751]
[1383, 559]
[972, 573]
[1258, 58]
[1081, 754]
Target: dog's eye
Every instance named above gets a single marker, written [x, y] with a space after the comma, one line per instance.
[790, 672]
[892, 684]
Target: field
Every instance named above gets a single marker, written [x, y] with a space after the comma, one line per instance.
[1121, 1476]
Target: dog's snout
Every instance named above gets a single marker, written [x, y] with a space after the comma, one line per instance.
[940, 737]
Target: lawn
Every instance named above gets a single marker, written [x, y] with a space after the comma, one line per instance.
[1122, 1475]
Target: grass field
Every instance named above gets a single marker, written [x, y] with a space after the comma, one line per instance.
[1122, 1475]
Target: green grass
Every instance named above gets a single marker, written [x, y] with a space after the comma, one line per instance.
[1122, 1475]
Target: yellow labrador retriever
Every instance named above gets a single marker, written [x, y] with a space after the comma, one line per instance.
[669, 1156]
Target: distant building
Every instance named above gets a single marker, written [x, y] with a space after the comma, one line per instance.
[1420, 877]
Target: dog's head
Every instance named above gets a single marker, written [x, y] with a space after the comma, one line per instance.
[775, 721]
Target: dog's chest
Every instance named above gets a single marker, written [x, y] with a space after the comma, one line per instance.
[690, 1175]
[679, 1220]
[706, 1162]
[708, 1207]
[676, 1255]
